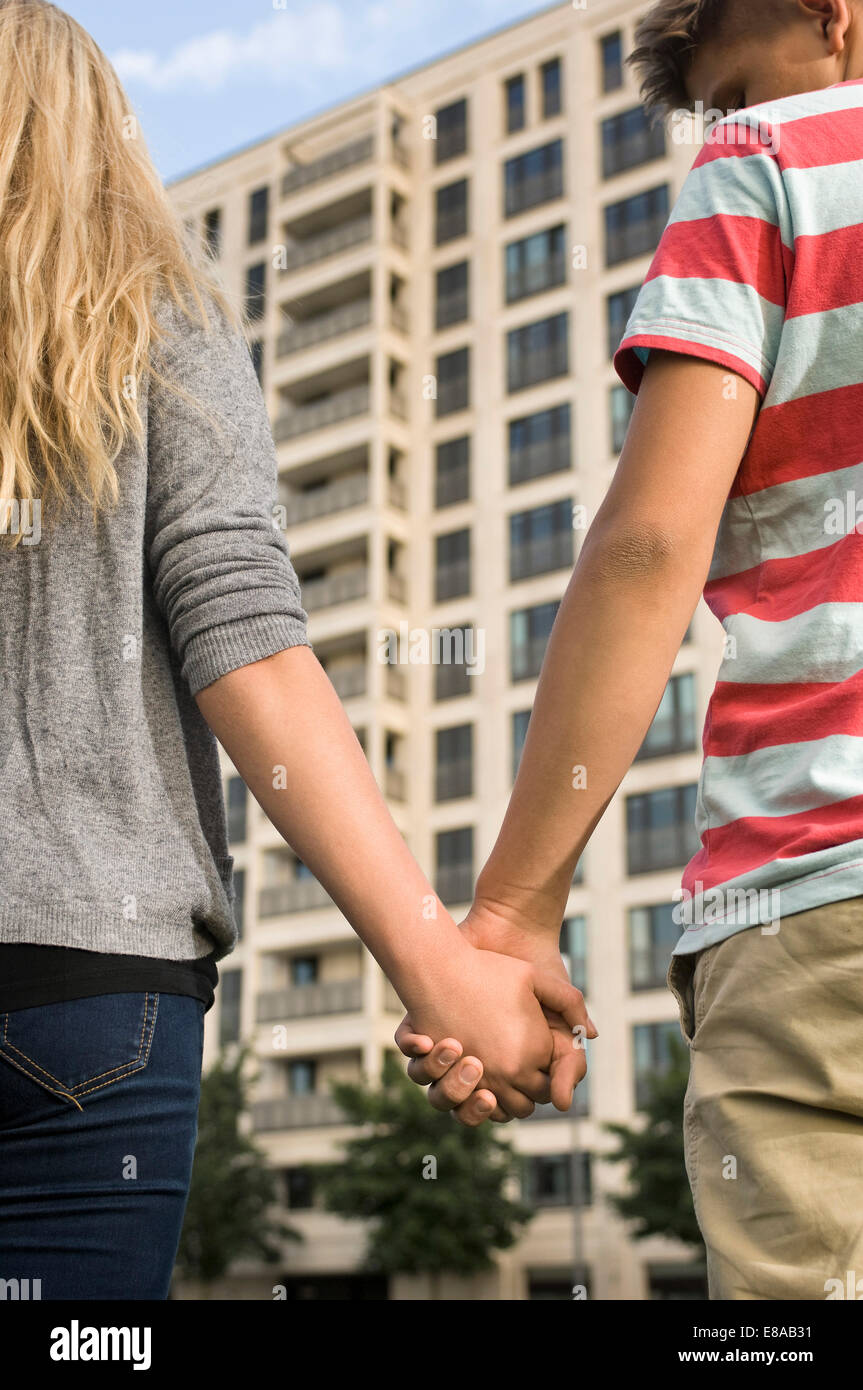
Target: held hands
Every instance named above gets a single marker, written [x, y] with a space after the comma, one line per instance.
[522, 1018]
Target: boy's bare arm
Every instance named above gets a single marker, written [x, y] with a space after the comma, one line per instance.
[631, 597]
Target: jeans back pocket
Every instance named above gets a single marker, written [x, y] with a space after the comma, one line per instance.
[79, 1046]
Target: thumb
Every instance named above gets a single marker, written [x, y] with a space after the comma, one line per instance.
[563, 998]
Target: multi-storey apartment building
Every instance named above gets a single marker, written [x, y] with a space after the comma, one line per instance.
[437, 273]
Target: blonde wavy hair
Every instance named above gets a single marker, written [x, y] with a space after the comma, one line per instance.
[88, 239]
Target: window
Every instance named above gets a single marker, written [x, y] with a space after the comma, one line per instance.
[239, 904]
[618, 309]
[622, 405]
[299, 1188]
[302, 1076]
[673, 727]
[451, 131]
[537, 352]
[539, 444]
[540, 540]
[533, 178]
[452, 565]
[304, 971]
[454, 762]
[515, 107]
[451, 212]
[660, 829]
[529, 630]
[256, 279]
[452, 673]
[259, 215]
[552, 90]
[630, 139]
[611, 55]
[452, 471]
[535, 263]
[520, 721]
[451, 295]
[230, 992]
[652, 1045]
[453, 381]
[237, 800]
[633, 227]
[213, 231]
[552, 1179]
[454, 859]
[573, 948]
[257, 351]
[653, 934]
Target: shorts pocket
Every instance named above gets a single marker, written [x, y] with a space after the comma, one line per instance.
[79, 1046]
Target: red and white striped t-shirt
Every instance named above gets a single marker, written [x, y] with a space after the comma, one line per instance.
[761, 269]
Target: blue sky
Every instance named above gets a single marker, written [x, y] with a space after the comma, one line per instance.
[209, 76]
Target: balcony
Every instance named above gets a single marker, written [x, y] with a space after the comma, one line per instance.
[297, 896]
[541, 555]
[338, 496]
[399, 318]
[347, 157]
[397, 494]
[296, 1112]
[330, 243]
[536, 460]
[398, 404]
[348, 318]
[397, 587]
[349, 681]
[317, 415]
[310, 1001]
[396, 683]
[335, 588]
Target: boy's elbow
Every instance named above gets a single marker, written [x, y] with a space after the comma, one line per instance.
[629, 550]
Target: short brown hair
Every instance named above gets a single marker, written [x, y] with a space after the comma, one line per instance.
[665, 40]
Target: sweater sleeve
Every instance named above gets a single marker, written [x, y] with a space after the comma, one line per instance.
[220, 568]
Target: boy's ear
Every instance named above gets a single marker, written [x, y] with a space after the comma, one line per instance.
[835, 19]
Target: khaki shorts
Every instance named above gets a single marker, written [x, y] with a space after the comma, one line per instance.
[773, 1116]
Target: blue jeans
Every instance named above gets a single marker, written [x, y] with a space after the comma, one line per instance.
[98, 1122]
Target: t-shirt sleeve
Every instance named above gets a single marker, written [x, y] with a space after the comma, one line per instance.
[716, 288]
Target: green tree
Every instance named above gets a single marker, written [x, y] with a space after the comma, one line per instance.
[434, 1192]
[230, 1212]
[659, 1201]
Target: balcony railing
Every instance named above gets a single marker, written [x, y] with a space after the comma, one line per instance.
[396, 683]
[335, 324]
[297, 896]
[638, 239]
[454, 883]
[310, 1001]
[452, 580]
[529, 192]
[397, 587]
[357, 152]
[338, 496]
[533, 279]
[330, 243]
[397, 494]
[400, 235]
[317, 415]
[349, 681]
[661, 847]
[534, 366]
[648, 967]
[541, 556]
[535, 460]
[398, 404]
[454, 779]
[395, 783]
[297, 1112]
[399, 318]
[335, 588]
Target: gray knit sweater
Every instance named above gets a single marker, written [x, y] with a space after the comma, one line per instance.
[112, 821]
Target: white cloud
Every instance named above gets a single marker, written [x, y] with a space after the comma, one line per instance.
[313, 40]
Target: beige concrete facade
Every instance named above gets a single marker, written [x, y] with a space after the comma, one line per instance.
[349, 349]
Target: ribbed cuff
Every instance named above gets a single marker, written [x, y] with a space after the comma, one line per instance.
[240, 643]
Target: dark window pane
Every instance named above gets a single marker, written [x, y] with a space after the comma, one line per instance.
[618, 309]
[537, 352]
[259, 215]
[451, 212]
[535, 263]
[453, 382]
[451, 131]
[552, 90]
[611, 50]
[515, 113]
[230, 991]
[539, 444]
[256, 279]
[630, 139]
[452, 471]
[533, 178]
[634, 226]
[451, 295]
